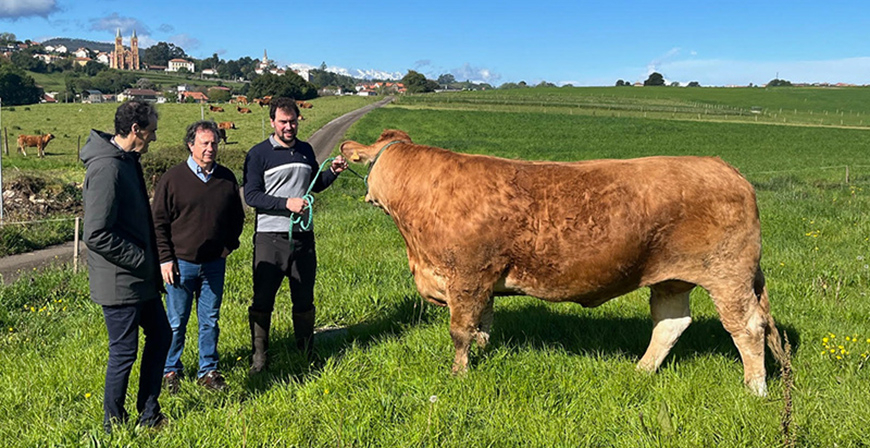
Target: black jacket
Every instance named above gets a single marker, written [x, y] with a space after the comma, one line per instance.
[118, 230]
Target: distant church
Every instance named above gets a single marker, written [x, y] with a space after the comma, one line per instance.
[122, 58]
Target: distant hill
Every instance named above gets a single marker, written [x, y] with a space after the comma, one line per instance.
[75, 44]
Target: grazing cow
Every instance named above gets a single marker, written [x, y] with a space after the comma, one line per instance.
[265, 101]
[222, 135]
[304, 105]
[215, 108]
[30, 141]
[243, 110]
[226, 125]
[586, 232]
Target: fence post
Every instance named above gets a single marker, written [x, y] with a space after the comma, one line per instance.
[76, 248]
[847, 174]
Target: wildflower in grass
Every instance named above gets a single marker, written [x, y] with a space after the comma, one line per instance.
[433, 398]
[88, 395]
[326, 391]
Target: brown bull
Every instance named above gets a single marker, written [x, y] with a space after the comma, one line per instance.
[586, 232]
[37, 141]
[215, 108]
[243, 110]
[226, 125]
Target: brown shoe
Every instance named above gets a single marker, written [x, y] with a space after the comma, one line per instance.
[212, 380]
[172, 382]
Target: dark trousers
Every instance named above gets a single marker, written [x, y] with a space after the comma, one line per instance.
[122, 323]
[276, 256]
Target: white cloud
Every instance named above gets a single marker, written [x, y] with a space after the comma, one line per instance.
[185, 41]
[113, 22]
[717, 72]
[16, 9]
[474, 74]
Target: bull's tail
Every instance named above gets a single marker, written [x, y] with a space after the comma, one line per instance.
[774, 342]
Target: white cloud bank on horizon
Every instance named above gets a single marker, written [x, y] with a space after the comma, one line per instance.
[718, 72]
[15, 9]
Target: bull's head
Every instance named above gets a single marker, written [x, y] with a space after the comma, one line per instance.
[359, 153]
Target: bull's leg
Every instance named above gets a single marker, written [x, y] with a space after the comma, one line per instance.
[744, 319]
[669, 307]
[482, 336]
[40, 152]
[465, 318]
[23, 152]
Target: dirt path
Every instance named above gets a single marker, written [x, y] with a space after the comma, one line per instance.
[15, 266]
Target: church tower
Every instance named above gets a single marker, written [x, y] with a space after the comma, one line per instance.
[134, 52]
[118, 54]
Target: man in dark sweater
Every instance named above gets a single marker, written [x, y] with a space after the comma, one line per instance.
[278, 173]
[122, 261]
[198, 217]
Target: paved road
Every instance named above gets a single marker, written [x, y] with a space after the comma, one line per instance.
[323, 141]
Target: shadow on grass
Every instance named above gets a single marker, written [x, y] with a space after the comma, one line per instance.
[286, 361]
[534, 325]
[537, 326]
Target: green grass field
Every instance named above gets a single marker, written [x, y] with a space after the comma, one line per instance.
[555, 374]
[71, 124]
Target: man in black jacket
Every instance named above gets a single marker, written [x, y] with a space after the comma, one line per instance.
[122, 261]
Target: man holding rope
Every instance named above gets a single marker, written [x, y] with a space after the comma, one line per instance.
[279, 172]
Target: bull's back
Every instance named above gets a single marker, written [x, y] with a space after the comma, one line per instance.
[602, 228]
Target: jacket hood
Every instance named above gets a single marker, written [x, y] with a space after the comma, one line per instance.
[100, 146]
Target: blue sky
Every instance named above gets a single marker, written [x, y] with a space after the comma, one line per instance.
[579, 42]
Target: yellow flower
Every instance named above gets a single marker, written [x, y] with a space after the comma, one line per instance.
[88, 395]
[839, 357]
[848, 338]
[239, 358]
[326, 392]
[825, 340]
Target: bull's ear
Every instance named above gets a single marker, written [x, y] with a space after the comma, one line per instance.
[394, 134]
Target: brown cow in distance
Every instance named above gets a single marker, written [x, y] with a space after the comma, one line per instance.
[243, 110]
[262, 101]
[226, 125]
[37, 141]
[304, 105]
[479, 226]
[215, 108]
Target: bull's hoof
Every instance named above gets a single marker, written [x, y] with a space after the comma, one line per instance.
[646, 367]
[482, 339]
[459, 370]
[757, 386]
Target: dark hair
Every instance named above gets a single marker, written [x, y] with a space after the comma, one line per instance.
[202, 125]
[283, 103]
[133, 111]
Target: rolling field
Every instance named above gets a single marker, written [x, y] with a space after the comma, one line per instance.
[554, 374]
[61, 170]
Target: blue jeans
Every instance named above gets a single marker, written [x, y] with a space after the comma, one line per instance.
[206, 282]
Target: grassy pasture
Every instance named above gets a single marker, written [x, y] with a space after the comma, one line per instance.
[71, 124]
[555, 374]
[846, 106]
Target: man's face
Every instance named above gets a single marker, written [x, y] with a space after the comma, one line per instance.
[204, 148]
[144, 136]
[285, 124]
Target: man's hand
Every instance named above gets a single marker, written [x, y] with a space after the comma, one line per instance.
[169, 270]
[338, 165]
[296, 205]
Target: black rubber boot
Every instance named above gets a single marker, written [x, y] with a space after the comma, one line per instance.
[259, 323]
[303, 329]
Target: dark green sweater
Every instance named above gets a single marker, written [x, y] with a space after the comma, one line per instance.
[197, 221]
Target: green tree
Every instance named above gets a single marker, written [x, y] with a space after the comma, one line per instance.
[446, 79]
[288, 85]
[17, 88]
[779, 83]
[161, 52]
[620, 83]
[25, 61]
[8, 38]
[655, 79]
[417, 83]
[694, 84]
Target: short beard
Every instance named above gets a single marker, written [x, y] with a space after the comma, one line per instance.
[288, 143]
